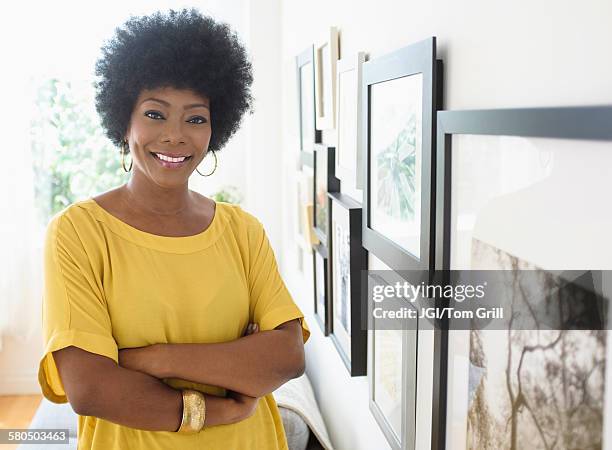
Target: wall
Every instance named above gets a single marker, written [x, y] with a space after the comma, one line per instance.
[262, 158]
[496, 55]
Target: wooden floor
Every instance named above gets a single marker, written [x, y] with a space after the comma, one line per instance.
[17, 411]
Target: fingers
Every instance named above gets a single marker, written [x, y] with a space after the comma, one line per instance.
[252, 328]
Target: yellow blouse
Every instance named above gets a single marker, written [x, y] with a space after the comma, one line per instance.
[110, 286]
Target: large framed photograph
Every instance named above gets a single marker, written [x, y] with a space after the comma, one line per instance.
[392, 370]
[322, 294]
[522, 190]
[326, 57]
[402, 91]
[309, 135]
[348, 258]
[324, 182]
[349, 157]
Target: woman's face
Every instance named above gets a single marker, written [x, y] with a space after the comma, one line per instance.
[171, 122]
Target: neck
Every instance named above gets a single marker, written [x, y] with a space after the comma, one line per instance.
[152, 198]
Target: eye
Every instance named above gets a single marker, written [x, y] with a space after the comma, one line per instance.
[154, 113]
[200, 119]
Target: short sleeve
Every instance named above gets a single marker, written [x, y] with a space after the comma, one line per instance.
[74, 310]
[270, 301]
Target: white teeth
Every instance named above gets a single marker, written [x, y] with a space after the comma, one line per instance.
[167, 158]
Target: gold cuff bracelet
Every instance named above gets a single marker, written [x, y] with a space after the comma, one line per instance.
[194, 412]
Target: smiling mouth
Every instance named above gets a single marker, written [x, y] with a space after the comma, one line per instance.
[171, 164]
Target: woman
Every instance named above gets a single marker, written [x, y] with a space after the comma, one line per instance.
[150, 287]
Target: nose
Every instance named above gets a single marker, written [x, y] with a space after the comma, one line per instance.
[172, 132]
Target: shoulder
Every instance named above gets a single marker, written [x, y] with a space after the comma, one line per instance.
[247, 229]
[75, 223]
[240, 218]
[77, 213]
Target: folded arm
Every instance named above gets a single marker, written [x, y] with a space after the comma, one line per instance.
[96, 386]
[254, 365]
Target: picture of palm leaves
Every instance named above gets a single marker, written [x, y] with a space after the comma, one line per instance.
[396, 173]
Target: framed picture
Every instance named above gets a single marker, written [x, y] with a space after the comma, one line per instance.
[322, 300]
[326, 57]
[348, 258]
[402, 91]
[392, 370]
[349, 157]
[305, 226]
[522, 190]
[324, 182]
[305, 72]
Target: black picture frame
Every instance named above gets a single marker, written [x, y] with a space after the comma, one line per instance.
[324, 182]
[302, 61]
[415, 59]
[589, 123]
[322, 294]
[351, 345]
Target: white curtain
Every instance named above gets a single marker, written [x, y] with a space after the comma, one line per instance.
[20, 235]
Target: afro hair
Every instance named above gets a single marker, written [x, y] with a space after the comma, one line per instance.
[183, 50]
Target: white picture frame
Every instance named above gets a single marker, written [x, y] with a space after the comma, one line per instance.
[349, 156]
[326, 57]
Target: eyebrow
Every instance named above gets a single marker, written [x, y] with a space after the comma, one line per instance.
[163, 102]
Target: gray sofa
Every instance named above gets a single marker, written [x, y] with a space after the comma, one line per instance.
[52, 415]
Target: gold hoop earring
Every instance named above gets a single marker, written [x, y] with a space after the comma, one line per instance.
[123, 153]
[215, 168]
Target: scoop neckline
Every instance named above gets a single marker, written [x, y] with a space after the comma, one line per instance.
[153, 234]
[175, 244]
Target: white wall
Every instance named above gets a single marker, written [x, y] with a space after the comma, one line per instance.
[262, 158]
[496, 55]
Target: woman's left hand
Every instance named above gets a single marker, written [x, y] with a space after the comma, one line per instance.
[252, 328]
[143, 359]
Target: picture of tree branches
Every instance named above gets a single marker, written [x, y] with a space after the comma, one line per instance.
[536, 389]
